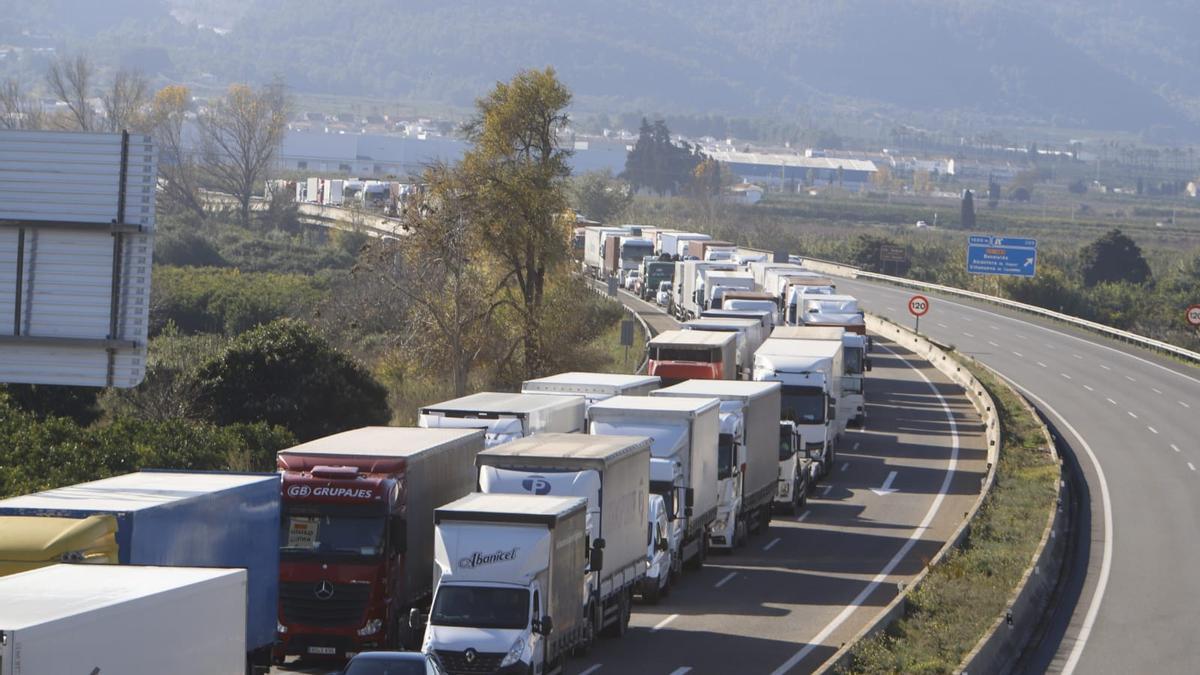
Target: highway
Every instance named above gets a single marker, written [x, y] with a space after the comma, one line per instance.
[1131, 419]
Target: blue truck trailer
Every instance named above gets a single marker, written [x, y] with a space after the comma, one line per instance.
[194, 519]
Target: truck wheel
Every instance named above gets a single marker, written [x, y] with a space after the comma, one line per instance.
[799, 496]
[651, 593]
[621, 624]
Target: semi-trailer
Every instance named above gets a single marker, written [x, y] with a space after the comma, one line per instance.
[357, 534]
[678, 355]
[123, 619]
[810, 372]
[509, 584]
[592, 387]
[683, 464]
[169, 518]
[691, 280]
[624, 253]
[594, 238]
[719, 282]
[710, 249]
[506, 416]
[675, 243]
[747, 454]
[613, 474]
[851, 403]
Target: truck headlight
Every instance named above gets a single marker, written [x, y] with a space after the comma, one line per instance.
[371, 628]
[280, 628]
[514, 652]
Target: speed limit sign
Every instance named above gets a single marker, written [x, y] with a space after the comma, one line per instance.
[918, 305]
[1193, 315]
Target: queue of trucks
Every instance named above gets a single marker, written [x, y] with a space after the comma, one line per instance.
[504, 533]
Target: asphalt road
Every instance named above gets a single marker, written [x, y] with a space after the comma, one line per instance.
[1131, 418]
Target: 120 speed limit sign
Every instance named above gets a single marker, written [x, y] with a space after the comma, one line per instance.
[918, 305]
[1193, 315]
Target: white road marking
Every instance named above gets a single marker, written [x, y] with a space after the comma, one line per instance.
[681, 671]
[967, 318]
[1175, 447]
[1152, 429]
[890, 309]
[825, 490]
[1132, 414]
[1130, 378]
[1111, 401]
[725, 579]
[993, 343]
[1022, 336]
[664, 622]
[942, 325]
[1088, 388]
[1089, 619]
[1040, 364]
[1049, 346]
[1191, 466]
[1155, 390]
[591, 669]
[1105, 367]
[968, 334]
[934, 507]
[855, 445]
[1077, 356]
[770, 545]
[1183, 404]
[802, 516]
[993, 326]
[1019, 355]
[1065, 375]
[845, 465]
[886, 488]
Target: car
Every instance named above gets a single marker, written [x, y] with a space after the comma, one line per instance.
[663, 297]
[632, 279]
[393, 663]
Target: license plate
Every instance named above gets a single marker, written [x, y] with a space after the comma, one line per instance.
[330, 651]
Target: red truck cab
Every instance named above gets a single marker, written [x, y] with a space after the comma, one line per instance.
[356, 541]
[678, 355]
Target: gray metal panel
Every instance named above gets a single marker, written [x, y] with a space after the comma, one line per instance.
[67, 272]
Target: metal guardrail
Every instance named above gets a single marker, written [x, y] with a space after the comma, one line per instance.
[851, 272]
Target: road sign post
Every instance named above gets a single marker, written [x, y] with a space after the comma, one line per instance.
[918, 306]
[627, 337]
[1002, 256]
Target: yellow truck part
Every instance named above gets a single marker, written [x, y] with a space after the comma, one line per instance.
[29, 542]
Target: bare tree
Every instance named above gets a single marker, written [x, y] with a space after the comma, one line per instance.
[239, 137]
[176, 162]
[18, 110]
[125, 101]
[70, 79]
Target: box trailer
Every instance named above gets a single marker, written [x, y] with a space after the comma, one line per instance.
[361, 503]
[749, 331]
[748, 461]
[683, 464]
[675, 243]
[509, 579]
[593, 247]
[190, 519]
[103, 619]
[592, 386]
[506, 416]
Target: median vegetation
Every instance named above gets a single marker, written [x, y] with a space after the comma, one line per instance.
[961, 597]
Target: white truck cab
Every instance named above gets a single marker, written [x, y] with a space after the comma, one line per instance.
[657, 582]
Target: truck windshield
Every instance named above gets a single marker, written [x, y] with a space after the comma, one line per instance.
[694, 355]
[853, 358]
[481, 607]
[803, 405]
[786, 449]
[311, 533]
[724, 456]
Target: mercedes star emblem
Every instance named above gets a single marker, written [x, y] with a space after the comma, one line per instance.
[324, 590]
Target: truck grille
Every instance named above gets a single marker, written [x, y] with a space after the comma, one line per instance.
[456, 662]
[322, 603]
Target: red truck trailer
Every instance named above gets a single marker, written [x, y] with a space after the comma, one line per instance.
[356, 547]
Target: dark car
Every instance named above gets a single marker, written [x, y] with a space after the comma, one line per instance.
[392, 663]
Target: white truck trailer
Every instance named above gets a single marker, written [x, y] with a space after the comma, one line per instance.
[691, 281]
[593, 387]
[505, 416]
[810, 372]
[613, 474]
[683, 464]
[675, 243]
[593, 247]
[123, 619]
[747, 454]
[750, 334]
[720, 282]
[509, 577]
[851, 404]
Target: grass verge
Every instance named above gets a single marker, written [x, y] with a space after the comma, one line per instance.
[961, 597]
[610, 343]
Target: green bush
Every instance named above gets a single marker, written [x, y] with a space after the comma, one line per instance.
[228, 301]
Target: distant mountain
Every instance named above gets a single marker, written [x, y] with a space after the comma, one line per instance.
[1105, 64]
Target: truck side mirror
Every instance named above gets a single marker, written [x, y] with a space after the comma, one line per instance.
[596, 560]
[414, 619]
[867, 365]
[689, 498]
[545, 626]
[831, 409]
[662, 545]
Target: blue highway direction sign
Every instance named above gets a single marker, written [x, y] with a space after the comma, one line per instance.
[1005, 256]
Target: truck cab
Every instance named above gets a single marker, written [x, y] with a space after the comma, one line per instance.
[678, 355]
[796, 469]
[657, 582]
[805, 369]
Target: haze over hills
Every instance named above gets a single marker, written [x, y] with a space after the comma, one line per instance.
[1112, 64]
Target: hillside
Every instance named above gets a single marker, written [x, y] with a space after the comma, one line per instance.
[1114, 64]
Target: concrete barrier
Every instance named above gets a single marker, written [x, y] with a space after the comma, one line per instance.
[997, 644]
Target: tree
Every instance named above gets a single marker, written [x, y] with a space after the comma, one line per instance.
[18, 110]
[125, 101]
[516, 173]
[70, 80]
[600, 196]
[993, 193]
[968, 210]
[658, 165]
[282, 373]
[1077, 187]
[1113, 257]
[239, 137]
[176, 162]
